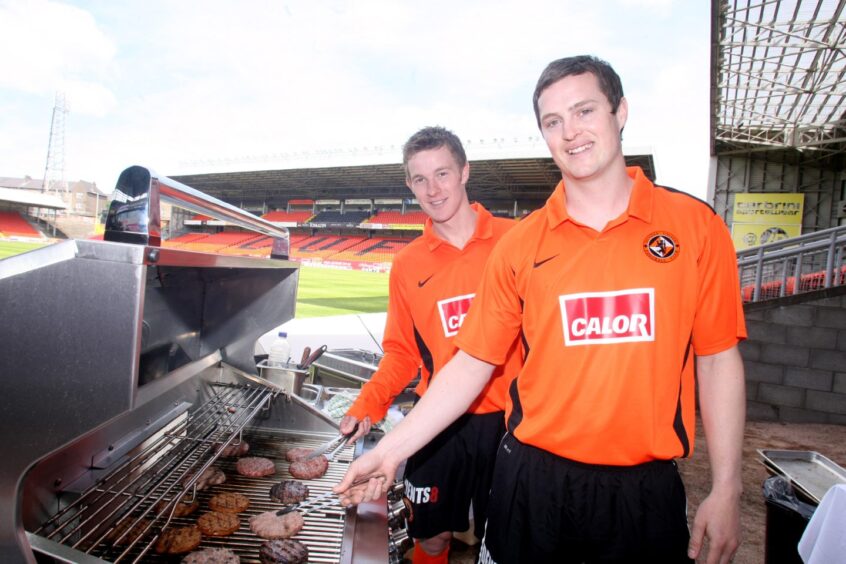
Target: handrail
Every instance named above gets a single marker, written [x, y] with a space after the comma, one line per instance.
[810, 262]
[135, 210]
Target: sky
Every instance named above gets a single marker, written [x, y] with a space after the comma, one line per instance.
[210, 86]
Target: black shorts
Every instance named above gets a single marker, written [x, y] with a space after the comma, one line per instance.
[450, 472]
[544, 508]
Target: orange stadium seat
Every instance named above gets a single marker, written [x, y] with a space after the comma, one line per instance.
[222, 242]
[12, 224]
[376, 249]
[324, 246]
[398, 218]
[181, 240]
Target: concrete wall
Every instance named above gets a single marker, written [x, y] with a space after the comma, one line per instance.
[795, 360]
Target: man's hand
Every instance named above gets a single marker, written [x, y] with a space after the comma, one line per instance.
[722, 402]
[368, 477]
[718, 520]
[348, 424]
[457, 385]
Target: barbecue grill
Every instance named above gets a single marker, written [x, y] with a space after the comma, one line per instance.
[126, 367]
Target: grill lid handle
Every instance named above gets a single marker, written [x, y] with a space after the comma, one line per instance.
[135, 210]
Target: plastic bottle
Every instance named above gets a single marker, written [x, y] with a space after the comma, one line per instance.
[280, 350]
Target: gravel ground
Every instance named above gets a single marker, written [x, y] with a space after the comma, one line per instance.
[828, 440]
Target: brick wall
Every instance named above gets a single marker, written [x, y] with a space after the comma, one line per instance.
[795, 360]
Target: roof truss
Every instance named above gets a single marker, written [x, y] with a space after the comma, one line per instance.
[779, 76]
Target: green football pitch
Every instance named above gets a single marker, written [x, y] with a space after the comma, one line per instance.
[322, 291]
[9, 248]
[325, 291]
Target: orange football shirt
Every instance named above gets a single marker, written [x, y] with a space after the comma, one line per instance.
[610, 322]
[432, 284]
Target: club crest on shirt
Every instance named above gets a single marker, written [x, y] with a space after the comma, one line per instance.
[453, 311]
[604, 318]
[661, 246]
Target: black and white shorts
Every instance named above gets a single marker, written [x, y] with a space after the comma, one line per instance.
[453, 470]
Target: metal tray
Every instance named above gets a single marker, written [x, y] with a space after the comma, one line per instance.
[346, 368]
[285, 377]
[809, 471]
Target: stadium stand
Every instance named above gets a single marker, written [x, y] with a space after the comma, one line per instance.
[324, 246]
[288, 217]
[226, 242]
[399, 218]
[185, 238]
[375, 249]
[12, 224]
[807, 283]
[338, 218]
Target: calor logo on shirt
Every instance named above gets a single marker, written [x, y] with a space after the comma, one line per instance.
[604, 318]
[453, 311]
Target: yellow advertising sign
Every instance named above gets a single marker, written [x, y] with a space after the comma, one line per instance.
[773, 209]
[766, 218]
[747, 235]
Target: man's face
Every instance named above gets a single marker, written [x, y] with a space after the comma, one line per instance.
[438, 183]
[582, 134]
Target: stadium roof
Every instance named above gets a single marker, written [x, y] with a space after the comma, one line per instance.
[33, 198]
[779, 77]
[500, 180]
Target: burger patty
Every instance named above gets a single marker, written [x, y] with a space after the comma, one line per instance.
[232, 451]
[269, 525]
[181, 509]
[285, 551]
[255, 467]
[179, 540]
[297, 454]
[212, 556]
[133, 529]
[289, 491]
[217, 524]
[309, 469]
[229, 502]
[212, 476]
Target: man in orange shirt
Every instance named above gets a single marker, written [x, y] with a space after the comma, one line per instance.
[622, 292]
[433, 281]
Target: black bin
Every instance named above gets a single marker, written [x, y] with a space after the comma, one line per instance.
[787, 517]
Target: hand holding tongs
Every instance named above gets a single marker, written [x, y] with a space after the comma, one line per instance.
[333, 446]
[316, 503]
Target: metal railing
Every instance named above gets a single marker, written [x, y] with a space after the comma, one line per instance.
[811, 262]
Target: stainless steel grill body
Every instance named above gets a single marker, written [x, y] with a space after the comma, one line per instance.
[159, 470]
[122, 367]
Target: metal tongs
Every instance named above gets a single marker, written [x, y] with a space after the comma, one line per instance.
[316, 503]
[333, 446]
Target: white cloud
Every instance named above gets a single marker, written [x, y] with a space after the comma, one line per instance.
[168, 84]
[661, 6]
[45, 43]
[88, 98]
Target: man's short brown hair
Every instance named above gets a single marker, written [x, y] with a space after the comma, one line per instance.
[609, 81]
[433, 138]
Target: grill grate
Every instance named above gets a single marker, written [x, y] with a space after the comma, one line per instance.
[177, 456]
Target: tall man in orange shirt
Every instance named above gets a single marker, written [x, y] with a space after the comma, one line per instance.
[618, 289]
[433, 281]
